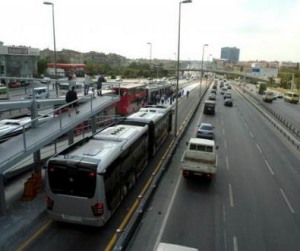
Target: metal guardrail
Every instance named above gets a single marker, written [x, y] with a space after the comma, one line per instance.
[285, 128]
[56, 112]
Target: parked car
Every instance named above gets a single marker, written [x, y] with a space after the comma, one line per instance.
[228, 102]
[14, 84]
[205, 131]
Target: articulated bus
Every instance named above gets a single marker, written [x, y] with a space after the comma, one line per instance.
[132, 97]
[86, 182]
[161, 88]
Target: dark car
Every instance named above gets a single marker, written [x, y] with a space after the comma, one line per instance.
[14, 84]
[228, 102]
[205, 131]
[214, 91]
[209, 107]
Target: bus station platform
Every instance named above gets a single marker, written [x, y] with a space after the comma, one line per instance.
[20, 216]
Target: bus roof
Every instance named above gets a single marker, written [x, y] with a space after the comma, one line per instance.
[155, 109]
[144, 117]
[200, 141]
[104, 147]
[131, 86]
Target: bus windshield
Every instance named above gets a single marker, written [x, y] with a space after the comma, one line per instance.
[75, 180]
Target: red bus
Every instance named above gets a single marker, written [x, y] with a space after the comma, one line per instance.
[132, 97]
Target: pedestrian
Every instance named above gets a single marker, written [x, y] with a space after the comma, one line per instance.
[71, 96]
[100, 80]
[86, 89]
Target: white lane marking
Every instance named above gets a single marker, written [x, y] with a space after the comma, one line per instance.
[287, 201]
[225, 144]
[162, 229]
[224, 213]
[227, 163]
[258, 147]
[230, 195]
[235, 244]
[269, 167]
[246, 125]
[223, 131]
[251, 134]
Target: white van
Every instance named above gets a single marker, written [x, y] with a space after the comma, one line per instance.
[268, 96]
[291, 97]
[39, 92]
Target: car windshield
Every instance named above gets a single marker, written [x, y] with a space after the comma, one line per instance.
[206, 127]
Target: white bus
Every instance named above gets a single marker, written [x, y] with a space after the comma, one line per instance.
[87, 182]
[12, 127]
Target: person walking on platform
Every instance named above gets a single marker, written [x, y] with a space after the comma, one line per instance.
[100, 80]
[71, 96]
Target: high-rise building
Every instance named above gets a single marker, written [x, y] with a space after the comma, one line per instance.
[230, 53]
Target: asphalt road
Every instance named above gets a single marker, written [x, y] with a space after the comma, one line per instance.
[290, 112]
[253, 203]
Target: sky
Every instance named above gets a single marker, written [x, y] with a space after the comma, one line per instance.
[262, 29]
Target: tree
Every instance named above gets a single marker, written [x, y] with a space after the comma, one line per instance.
[42, 65]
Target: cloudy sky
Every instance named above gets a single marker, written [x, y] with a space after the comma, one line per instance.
[261, 29]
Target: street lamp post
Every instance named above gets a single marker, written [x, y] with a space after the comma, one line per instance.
[202, 66]
[55, 69]
[150, 60]
[178, 59]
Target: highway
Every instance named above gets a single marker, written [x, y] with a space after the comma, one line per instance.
[289, 112]
[252, 204]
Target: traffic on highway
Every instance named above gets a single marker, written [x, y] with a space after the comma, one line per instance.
[250, 203]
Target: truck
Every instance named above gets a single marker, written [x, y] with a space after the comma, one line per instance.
[262, 86]
[209, 107]
[199, 158]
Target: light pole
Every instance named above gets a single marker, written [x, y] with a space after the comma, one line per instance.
[178, 58]
[55, 70]
[202, 66]
[150, 52]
